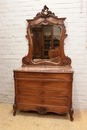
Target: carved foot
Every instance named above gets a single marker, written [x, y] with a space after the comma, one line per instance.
[71, 114]
[14, 108]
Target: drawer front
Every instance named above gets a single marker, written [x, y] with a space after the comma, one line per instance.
[42, 93]
[43, 101]
[44, 108]
[47, 85]
[60, 76]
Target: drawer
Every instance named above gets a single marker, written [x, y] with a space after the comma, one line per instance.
[47, 85]
[50, 108]
[42, 93]
[40, 75]
[57, 102]
[43, 101]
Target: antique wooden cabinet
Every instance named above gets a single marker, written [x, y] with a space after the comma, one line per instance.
[44, 82]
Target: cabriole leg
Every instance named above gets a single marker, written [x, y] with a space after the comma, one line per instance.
[71, 114]
[15, 109]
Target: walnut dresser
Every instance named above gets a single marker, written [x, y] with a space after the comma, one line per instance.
[43, 89]
[44, 82]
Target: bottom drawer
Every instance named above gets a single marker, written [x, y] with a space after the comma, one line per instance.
[43, 109]
[44, 101]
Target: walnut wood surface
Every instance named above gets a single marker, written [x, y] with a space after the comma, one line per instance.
[44, 86]
[43, 91]
[45, 17]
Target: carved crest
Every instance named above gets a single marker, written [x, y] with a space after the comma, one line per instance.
[45, 13]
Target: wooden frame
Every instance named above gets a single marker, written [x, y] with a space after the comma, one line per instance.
[45, 17]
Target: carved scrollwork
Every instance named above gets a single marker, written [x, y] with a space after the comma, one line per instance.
[45, 13]
[25, 61]
[67, 61]
[41, 110]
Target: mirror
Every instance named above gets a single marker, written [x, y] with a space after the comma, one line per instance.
[46, 42]
[46, 34]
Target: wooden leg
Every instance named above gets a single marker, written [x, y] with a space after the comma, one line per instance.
[15, 109]
[71, 114]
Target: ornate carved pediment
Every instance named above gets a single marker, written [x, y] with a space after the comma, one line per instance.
[45, 13]
[51, 33]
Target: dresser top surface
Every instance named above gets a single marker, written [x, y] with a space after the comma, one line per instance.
[46, 69]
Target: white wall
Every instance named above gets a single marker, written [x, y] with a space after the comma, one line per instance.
[14, 45]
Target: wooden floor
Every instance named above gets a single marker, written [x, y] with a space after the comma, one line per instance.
[34, 121]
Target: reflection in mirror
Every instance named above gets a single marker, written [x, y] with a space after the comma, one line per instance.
[46, 42]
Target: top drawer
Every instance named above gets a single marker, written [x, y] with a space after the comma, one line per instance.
[40, 75]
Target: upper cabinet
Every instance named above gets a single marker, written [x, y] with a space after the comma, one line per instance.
[46, 34]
